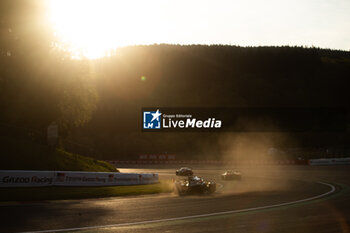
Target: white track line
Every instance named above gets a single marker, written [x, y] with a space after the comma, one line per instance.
[220, 185]
[194, 216]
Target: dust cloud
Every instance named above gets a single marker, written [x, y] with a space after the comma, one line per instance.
[256, 157]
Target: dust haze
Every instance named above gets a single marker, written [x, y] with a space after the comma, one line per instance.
[256, 157]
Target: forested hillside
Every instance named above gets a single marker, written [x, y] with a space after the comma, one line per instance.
[210, 76]
[97, 103]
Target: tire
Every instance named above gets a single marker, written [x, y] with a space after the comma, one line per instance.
[212, 188]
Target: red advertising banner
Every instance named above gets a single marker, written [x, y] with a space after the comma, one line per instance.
[160, 157]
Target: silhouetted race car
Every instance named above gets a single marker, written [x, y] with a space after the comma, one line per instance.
[184, 171]
[231, 175]
[194, 185]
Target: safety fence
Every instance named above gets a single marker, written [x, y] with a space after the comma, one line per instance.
[145, 162]
[313, 162]
[23, 178]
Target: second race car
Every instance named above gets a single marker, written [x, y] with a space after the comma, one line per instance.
[231, 175]
[184, 171]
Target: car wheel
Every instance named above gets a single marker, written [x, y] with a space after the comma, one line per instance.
[212, 188]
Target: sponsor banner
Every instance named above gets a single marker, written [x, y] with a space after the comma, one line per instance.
[165, 119]
[330, 161]
[157, 157]
[135, 179]
[20, 178]
[82, 179]
[13, 178]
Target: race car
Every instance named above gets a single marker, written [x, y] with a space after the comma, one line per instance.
[194, 185]
[184, 171]
[231, 175]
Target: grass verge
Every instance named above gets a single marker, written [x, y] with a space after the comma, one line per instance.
[65, 193]
[26, 155]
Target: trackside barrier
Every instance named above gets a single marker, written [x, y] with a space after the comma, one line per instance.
[22, 178]
[330, 161]
[281, 162]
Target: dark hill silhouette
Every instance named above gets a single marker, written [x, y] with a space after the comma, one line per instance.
[210, 76]
[97, 103]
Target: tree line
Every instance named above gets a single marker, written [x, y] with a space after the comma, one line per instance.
[97, 103]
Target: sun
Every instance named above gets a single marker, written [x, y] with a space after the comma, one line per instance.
[92, 28]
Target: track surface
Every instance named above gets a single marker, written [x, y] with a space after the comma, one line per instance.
[260, 187]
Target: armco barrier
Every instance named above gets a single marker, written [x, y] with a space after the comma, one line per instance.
[209, 162]
[22, 178]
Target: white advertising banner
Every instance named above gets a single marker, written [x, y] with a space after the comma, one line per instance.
[13, 178]
[20, 178]
[331, 161]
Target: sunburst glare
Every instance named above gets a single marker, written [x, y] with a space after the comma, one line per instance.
[91, 28]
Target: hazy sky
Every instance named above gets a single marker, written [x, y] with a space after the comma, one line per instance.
[103, 24]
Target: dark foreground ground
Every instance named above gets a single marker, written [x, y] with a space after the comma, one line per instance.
[267, 199]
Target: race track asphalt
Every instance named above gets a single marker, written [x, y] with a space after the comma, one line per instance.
[267, 199]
